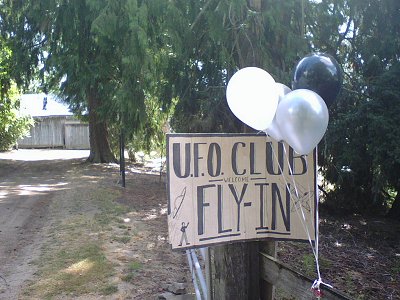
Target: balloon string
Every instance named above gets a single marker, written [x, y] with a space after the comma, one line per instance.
[316, 284]
[318, 281]
[301, 218]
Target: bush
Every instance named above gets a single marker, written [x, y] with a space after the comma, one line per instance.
[12, 124]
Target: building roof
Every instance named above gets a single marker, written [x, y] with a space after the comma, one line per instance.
[33, 105]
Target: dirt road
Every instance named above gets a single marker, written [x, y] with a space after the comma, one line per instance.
[29, 180]
[44, 194]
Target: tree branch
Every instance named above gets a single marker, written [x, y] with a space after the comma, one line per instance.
[200, 14]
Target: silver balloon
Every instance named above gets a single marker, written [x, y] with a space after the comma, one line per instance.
[273, 129]
[302, 117]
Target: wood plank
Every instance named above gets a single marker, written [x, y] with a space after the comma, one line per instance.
[293, 282]
[267, 290]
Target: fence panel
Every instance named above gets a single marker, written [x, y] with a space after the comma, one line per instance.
[76, 136]
[46, 133]
[295, 283]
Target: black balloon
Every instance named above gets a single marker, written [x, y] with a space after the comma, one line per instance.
[320, 73]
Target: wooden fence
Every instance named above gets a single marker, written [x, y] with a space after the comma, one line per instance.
[76, 135]
[47, 132]
[263, 277]
[292, 282]
[57, 132]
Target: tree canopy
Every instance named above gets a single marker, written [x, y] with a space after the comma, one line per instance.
[225, 36]
[359, 154]
[102, 57]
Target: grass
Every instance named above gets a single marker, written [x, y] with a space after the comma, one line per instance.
[133, 268]
[122, 239]
[309, 265]
[109, 289]
[72, 270]
[73, 262]
[395, 269]
[109, 211]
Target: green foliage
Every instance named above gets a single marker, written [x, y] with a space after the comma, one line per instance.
[133, 268]
[308, 266]
[129, 33]
[359, 155]
[109, 289]
[395, 269]
[12, 124]
[223, 37]
[108, 56]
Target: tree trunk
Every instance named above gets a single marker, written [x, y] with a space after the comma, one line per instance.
[394, 212]
[100, 151]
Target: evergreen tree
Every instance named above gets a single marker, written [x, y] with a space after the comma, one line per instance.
[213, 39]
[358, 155]
[100, 55]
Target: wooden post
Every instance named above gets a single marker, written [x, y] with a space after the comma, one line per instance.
[122, 157]
[235, 271]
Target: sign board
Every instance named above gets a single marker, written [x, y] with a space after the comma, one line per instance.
[230, 187]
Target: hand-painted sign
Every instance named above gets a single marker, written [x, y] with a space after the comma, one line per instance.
[230, 187]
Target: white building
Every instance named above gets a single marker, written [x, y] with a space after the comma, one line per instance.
[55, 126]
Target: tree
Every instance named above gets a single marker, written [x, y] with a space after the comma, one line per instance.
[57, 35]
[12, 124]
[103, 53]
[131, 34]
[359, 153]
[224, 37]
[383, 142]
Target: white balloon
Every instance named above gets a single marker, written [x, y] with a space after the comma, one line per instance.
[273, 129]
[252, 97]
[302, 117]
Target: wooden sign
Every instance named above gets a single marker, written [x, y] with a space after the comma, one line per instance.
[231, 187]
